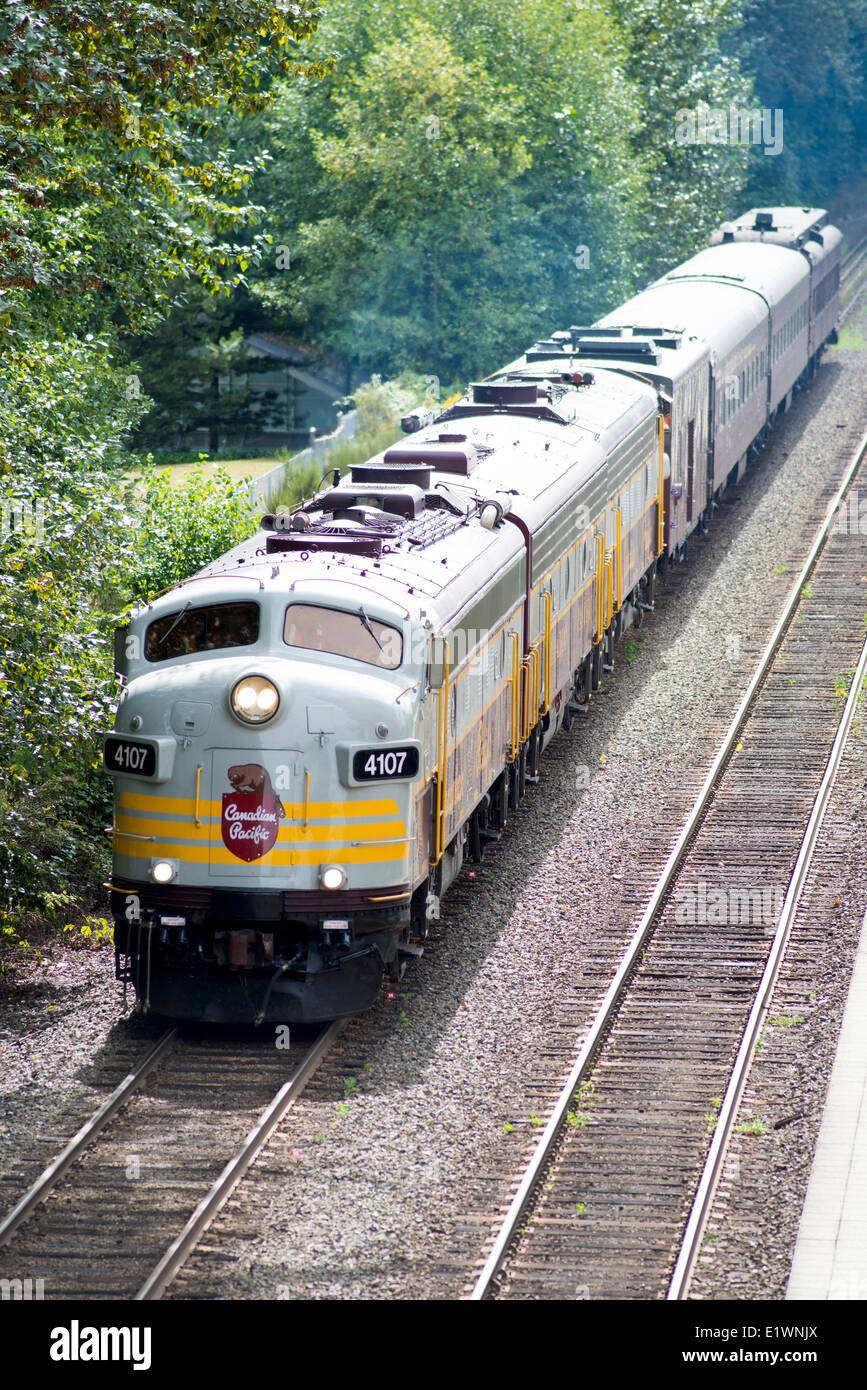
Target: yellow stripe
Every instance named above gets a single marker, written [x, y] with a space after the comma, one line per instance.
[330, 810]
[274, 859]
[292, 834]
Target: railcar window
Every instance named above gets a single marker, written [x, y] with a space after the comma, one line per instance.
[202, 630]
[343, 632]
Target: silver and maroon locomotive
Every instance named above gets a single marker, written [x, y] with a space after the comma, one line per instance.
[316, 730]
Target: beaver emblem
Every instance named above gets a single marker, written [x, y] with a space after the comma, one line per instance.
[253, 777]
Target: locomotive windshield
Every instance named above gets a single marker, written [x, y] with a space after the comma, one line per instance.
[202, 630]
[344, 632]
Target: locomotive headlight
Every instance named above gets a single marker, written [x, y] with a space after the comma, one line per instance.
[332, 876]
[255, 699]
[163, 871]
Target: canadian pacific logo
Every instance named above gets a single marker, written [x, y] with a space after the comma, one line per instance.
[251, 813]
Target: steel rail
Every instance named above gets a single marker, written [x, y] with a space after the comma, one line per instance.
[615, 989]
[691, 1243]
[85, 1136]
[848, 267]
[214, 1200]
[853, 259]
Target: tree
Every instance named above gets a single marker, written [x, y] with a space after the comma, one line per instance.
[810, 62]
[195, 370]
[115, 184]
[424, 227]
[111, 184]
[679, 66]
[454, 189]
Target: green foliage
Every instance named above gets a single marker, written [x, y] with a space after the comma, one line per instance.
[432, 191]
[93, 932]
[197, 371]
[677, 62]
[755, 1127]
[114, 184]
[810, 62]
[113, 180]
[303, 477]
[89, 544]
[179, 529]
[632, 648]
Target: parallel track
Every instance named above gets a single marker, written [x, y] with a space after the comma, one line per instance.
[613, 1206]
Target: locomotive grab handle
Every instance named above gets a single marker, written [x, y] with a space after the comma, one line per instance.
[198, 786]
[619, 554]
[516, 694]
[600, 593]
[660, 522]
[549, 605]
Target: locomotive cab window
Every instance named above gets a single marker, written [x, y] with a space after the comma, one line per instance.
[343, 632]
[202, 630]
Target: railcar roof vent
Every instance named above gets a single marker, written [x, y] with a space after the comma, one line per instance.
[326, 543]
[547, 347]
[764, 222]
[632, 349]
[591, 331]
[414, 472]
[443, 455]
[504, 392]
[397, 499]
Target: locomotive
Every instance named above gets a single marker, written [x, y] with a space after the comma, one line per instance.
[315, 731]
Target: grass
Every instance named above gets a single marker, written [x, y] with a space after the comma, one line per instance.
[851, 336]
[841, 684]
[715, 1102]
[632, 649]
[754, 1126]
[578, 1118]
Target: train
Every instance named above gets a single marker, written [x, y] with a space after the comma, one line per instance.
[316, 731]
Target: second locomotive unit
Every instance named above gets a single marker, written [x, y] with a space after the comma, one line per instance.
[317, 729]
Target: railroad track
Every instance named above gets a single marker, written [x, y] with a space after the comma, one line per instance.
[607, 1198]
[853, 274]
[133, 1192]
